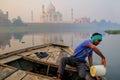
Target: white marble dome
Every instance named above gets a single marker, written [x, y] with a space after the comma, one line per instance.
[50, 8]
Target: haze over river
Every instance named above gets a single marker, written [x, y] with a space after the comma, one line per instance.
[71, 36]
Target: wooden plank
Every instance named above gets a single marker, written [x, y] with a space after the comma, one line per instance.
[33, 77]
[5, 55]
[37, 61]
[61, 44]
[53, 58]
[25, 54]
[9, 59]
[30, 77]
[34, 57]
[18, 75]
[29, 53]
[11, 73]
[40, 50]
[4, 72]
[54, 48]
[68, 50]
[4, 65]
[47, 63]
[45, 49]
[52, 54]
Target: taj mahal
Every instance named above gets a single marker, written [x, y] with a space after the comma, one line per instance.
[50, 15]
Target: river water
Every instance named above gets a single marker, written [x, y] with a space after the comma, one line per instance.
[110, 46]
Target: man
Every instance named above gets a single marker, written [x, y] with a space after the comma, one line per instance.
[83, 50]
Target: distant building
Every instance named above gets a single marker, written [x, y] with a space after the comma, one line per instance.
[50, 15]
[18, 22]
[4, 18]
[82, 20]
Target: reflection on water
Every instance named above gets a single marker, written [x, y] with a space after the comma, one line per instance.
[109, 46]
[11, 42]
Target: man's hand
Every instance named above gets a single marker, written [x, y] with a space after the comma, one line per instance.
[103, 62]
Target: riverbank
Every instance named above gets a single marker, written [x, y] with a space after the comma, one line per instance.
[112, 31]
[47, 28]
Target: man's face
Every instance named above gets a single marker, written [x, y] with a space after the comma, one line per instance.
[96, 42]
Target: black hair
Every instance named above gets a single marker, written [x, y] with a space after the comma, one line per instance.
[96, 33]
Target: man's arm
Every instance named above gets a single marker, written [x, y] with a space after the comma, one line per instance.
[90, 60]
[98, 52]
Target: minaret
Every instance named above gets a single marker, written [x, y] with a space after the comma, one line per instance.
[43, 9]
[32, 16]
[72, 14]
[43, 13]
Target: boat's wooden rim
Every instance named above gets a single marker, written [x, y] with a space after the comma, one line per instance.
[29, 49]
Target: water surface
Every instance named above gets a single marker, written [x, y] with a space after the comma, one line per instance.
[110, 46]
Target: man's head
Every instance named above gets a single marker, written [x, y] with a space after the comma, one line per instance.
[96, 38]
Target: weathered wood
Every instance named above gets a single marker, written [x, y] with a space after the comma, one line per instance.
[48, 68]
[68, 50]
[25, 54]
[53, 57]
[11, 73]
[44, 49]
[47, 63]
[9, 59]
[5, 71]
[23, 50]
[55, 53]
[5, 65]
[18, 75]
[31, 76]
[5, 55]
[54, 49]
[59, 44]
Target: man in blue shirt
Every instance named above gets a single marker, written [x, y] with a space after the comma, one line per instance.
[83, 50]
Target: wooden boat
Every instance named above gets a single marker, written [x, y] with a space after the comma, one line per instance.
[24, 64]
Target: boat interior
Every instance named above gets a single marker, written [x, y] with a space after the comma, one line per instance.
[27, 60]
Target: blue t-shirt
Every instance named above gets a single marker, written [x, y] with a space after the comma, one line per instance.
[82, 51]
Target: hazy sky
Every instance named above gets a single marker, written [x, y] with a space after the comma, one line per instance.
[93, 9]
